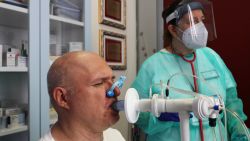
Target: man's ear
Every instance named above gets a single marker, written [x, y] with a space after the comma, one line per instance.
[172, 30]
[61, 97]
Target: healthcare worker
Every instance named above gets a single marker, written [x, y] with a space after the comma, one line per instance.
[190, 25]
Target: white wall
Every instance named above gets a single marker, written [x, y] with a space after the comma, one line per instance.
[150, 28]
[92, 28]
[147, 29]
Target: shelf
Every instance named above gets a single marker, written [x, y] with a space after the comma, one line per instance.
[17, 16]
[66, 20]
[13, 8]
[13, 69]
[4, 132]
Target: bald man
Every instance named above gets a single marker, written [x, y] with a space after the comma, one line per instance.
[77, 85]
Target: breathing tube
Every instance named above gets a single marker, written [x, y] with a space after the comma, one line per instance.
[241, 122]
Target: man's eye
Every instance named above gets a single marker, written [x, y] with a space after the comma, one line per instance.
[98, 84]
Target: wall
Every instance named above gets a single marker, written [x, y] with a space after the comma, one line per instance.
[92, 28]
[147, 29]
[150, 28]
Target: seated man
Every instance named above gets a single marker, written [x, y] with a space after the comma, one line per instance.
[77, 85]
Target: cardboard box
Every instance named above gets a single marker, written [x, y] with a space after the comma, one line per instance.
[9, 56]
[1, 55]
[11, 59]
[22, 61]
[55, 50]
[75, 46]
[3, 122]
[16, 120]
[12, 111]
[1, 112]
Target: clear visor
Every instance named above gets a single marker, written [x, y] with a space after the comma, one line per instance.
[189, 14]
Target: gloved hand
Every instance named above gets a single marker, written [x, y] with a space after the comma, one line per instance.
[170, 117]
[239, 134]
[241, 137]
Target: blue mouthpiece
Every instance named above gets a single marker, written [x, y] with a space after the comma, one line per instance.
[118, 106]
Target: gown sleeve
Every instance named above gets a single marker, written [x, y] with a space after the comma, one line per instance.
[232, 103]
[149, 123]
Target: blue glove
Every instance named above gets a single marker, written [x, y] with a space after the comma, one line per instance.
[170, 117]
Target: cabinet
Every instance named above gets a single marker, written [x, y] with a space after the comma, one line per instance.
[43, 32]
[61, 33]
[66, 29]
[19, 97]
[14, 80]
[46, 32]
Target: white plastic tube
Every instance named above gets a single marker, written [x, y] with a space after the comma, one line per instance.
[184, 125]
[242, 123]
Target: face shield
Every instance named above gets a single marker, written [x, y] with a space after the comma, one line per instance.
[195, 19]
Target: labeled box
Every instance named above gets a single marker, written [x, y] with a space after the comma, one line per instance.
[12, 111]
[1, 112]
[16, 120]
[3, 122]
[22, 61]
[1, 55]
[75, 46]
[55, 50]
[11, 59]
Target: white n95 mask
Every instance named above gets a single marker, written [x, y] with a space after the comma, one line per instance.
[195, 37]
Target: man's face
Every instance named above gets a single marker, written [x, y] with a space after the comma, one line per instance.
[89, 103]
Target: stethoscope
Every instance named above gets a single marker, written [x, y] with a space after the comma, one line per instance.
[196, 89]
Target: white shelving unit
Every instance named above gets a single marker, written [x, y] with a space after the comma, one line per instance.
[13, 8]
[62, 31]
[14, 81]
[13, 69]
[26, 84]
[9, 131]
[66, 20]
[17, 16]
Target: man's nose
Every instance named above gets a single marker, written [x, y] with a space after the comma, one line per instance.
[117, 91]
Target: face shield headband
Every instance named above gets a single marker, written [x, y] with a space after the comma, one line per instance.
[182, 10]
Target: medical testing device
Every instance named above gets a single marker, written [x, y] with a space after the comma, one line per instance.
[201, 105]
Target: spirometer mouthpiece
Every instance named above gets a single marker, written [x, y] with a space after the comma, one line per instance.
[118, 106]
